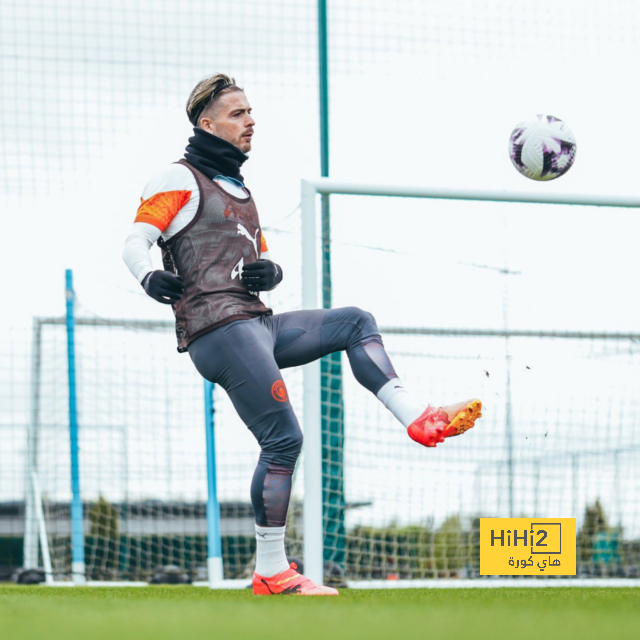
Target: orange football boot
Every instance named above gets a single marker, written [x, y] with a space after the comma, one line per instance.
[434, 425]
[289, 583]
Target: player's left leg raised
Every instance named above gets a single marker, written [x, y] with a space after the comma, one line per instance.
[303, 336]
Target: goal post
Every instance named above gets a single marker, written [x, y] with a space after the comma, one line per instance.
[45, 434]
[78, 568]
[311, 286]
[154, 494]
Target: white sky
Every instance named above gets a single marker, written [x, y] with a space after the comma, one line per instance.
[422, 93]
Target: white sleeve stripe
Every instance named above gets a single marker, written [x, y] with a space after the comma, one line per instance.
[136, 249]
[175, 177]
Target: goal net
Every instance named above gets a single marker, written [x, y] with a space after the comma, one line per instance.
[466, 309]
[472, 304]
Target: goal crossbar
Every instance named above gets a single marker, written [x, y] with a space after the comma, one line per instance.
[326, 186]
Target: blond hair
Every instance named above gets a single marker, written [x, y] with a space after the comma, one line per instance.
[206, 93]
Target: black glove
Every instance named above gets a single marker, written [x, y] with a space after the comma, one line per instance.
[163, 286]
[262, 275]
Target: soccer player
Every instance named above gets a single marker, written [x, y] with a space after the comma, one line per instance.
[216, 263]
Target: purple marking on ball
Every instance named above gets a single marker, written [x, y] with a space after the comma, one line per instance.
[516, 147]
[552, 159]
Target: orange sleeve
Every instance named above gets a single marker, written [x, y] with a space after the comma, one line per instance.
[161, 208]
[263, 244]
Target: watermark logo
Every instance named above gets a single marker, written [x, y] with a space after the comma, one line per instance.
[527, 546]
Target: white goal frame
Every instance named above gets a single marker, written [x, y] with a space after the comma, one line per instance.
[311, 418]
[311, 286]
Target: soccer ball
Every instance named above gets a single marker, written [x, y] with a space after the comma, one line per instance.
[542, 148]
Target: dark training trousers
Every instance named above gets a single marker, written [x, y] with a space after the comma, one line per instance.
[245, 358]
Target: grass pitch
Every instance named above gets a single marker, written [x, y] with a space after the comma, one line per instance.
[160, 613]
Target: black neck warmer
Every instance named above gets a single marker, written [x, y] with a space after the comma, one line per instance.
[213, 155]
